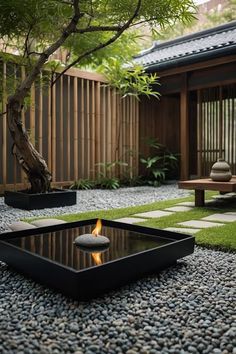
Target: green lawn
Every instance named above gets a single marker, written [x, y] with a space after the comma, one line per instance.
[223, 237]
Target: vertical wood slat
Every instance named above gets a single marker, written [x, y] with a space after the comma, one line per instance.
[82, 126]
[108, 131]
[14, 156]
[53, 131]
[233, 117]
[220, 123]
[49, 128]
[98, 128]
[68, 130]
[103, 128]
[199, 133]
[184, 129]
[23, 117]
[4, 128]
[40, 118]
[93, 132]
[113, 127]
[87, 140]
[61, 134]
[75, 126]
[137, 139]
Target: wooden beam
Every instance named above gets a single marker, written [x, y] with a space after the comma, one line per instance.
[197, 66]
[184, 129]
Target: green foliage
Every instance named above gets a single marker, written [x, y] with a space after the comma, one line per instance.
[129, 79]
[108, 182]
[105, 179]
[107, 167]
[132, 181]
[160, 164]
[82, 184]
[40, 23]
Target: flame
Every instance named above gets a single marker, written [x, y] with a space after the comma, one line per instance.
[97, 258]
[98, 228]
[97, 255]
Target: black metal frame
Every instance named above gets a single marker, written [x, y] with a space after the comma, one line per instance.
[27, 201]
[90, 282]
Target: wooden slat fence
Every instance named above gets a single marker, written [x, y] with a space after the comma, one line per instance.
[216, 127]
[76, 125]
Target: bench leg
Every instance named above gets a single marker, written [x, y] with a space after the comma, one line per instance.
[199, 198]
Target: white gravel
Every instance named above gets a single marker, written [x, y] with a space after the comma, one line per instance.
[96, 199]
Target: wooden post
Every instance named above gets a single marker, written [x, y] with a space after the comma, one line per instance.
[199, 197]
[184, 129]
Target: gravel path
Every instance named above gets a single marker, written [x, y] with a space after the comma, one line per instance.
[189, 308]
[95, 200]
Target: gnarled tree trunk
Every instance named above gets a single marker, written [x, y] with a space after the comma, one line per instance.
[30, 160]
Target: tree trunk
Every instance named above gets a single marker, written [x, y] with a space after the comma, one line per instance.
[30, 160]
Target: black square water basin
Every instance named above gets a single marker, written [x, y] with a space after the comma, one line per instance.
[48, 255]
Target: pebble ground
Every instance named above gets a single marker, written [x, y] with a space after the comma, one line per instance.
[189, 308]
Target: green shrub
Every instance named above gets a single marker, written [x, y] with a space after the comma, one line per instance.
[164, 163]
[82, 184]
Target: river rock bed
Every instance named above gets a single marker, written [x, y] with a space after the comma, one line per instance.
[189, 308]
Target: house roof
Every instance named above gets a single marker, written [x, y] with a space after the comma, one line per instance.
[211, 43]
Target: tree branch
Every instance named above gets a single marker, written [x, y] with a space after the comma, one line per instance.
[102, 45]
[24, 88]
[98, 29]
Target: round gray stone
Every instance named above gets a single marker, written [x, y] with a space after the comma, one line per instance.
[91, 241]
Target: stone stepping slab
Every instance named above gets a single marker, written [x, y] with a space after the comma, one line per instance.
[22, 225]
[179, 208]
[221, 217]
[183, 230]
[130, 220]
[189, 204]
[201, 224]
[154, 214]
[224, 196]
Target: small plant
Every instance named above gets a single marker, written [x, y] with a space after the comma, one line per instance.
[82, 184]
[105, 180]
[108, 166]
[108, 183]
[157, 167]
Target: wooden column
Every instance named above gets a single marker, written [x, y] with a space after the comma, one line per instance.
[184, 129]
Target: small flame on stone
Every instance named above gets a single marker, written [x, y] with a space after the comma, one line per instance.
[97, 256]
[98, 228]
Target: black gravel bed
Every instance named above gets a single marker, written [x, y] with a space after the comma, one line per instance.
[189, 308]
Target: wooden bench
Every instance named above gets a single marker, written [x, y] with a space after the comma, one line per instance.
[200, 185]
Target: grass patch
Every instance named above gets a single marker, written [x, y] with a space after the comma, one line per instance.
[223, 237]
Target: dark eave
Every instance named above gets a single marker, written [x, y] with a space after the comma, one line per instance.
[194, 48]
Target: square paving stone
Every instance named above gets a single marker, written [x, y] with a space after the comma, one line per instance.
[130, 220]
[154, 214]
[224, 196]
[201, 224]
[179, 208]
[221, 217]
[190, 204]
[183, 230]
